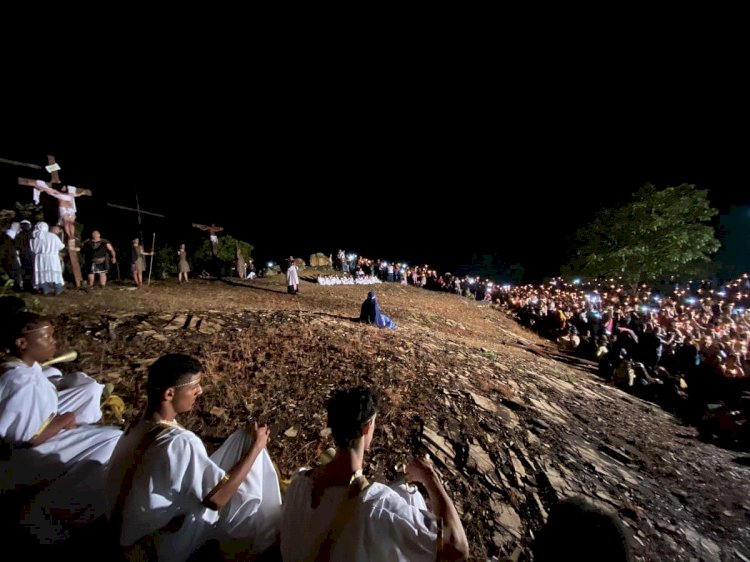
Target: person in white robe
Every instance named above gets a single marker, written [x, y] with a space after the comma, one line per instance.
[292, 277]
[167, 496]
[52, 444]
[46, 246]
[333, 513]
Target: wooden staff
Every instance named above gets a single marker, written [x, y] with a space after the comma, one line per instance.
[151, 264]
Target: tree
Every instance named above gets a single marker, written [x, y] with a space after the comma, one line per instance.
[661, 233]
[203, 256]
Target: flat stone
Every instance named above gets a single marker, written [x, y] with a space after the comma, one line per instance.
[506, 517]
[480, 460]
[483, 402]
[443, 445]
[706, 548]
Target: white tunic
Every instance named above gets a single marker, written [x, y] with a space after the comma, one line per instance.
[46, 248]
[174, 476]
[72, 461]
[77, 392]
[292, 277]
[390, 524]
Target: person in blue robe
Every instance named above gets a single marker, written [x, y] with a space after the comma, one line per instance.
[370, 313]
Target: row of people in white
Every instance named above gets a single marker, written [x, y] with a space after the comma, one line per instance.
[163, 492]
[336, 280]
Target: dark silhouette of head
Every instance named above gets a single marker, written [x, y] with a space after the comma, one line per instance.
[579, 530]
[349, 410]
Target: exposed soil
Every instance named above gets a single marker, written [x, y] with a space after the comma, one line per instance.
[510, 426]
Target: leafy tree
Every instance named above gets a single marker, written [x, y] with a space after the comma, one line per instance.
[165, 263]
[661, 233]
[203, 257]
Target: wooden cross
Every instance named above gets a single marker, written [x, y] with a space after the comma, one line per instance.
[213, 230]
[66, 206]
[137, 210]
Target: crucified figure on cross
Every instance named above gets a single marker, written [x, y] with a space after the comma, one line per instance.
[213, 230]
[66, 206]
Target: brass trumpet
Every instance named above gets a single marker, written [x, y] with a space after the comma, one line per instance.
[64, 358]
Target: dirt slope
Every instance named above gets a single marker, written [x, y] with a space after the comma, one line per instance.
[510, 427]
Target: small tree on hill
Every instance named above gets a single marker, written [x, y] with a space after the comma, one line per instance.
[203, 257]
[659, 234]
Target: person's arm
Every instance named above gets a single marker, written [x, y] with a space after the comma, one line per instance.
[55, 426]
[455, 544]
[228, 486]
[200, 226]
[111, 250]
[43, 186]
[81, 191]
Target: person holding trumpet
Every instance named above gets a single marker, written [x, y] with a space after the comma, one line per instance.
[52, 445]
[333, 513]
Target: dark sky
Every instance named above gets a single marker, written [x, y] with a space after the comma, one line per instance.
[434, 170]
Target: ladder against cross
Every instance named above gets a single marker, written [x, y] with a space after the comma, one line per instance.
[66, 210]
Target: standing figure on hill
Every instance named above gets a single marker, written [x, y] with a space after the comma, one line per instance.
[239, 263]
[370, 313]
[292, 277]
[48, 274]
[138, 261]
[167, 496]
[183, 267]
[96, 250]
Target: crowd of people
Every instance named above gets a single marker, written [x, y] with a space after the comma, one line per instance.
[162, 495]
[685, 348]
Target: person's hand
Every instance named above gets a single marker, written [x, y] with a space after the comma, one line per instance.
[261, 435]
[114, 260]
[420, 469]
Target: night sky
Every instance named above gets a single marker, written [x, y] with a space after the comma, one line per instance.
[420, 174]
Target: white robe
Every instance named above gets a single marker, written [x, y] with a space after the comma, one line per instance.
[77, 392]
[46, 248]
[172, 479]
[72, 461]
[390, 524]
[292, 277]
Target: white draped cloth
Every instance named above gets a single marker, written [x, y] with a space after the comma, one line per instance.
[389, 524]
[70, 196]
[72, 462]
[46, 247]
[77, 392]
[173, 477]
[292, 277]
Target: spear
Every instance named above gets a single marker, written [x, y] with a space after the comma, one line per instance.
[151, 265]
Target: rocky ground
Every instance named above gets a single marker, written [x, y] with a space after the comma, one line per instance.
[512, 425]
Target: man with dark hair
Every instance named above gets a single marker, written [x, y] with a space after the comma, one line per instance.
[333, 513]
[168, 497]
[578, 530]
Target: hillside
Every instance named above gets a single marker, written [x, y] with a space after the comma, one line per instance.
[511, 425]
